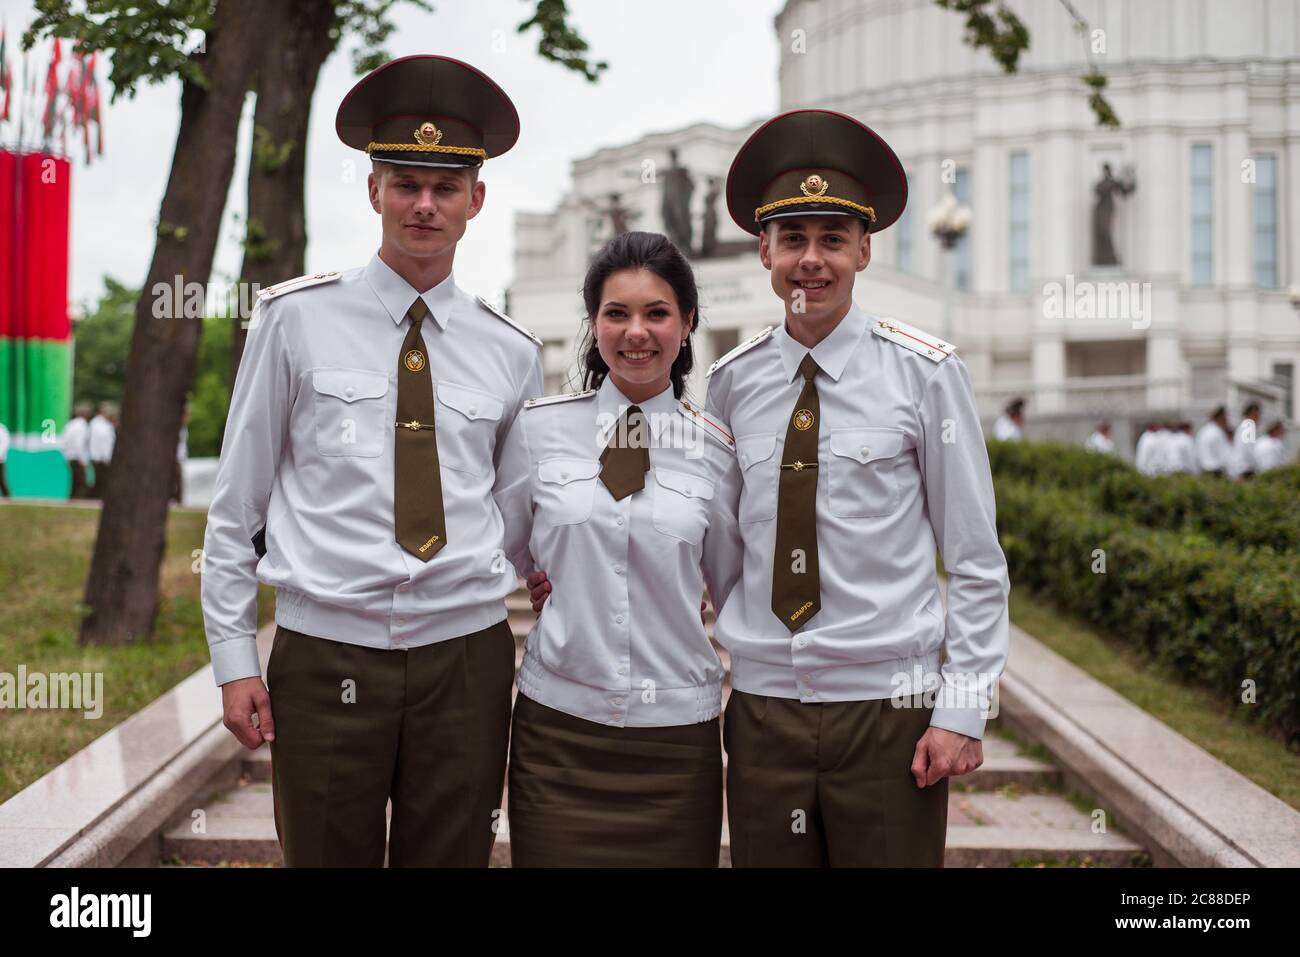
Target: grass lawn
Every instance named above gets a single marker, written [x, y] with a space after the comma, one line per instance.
[1199, 715]
[43, 567]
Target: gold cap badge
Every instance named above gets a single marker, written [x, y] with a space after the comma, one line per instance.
[427, 134]
[814, 185]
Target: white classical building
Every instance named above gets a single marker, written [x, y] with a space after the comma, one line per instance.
[1201, 308]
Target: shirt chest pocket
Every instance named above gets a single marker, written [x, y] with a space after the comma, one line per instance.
[864, 472]
[566, 489]
[352, 414]
[466, 421]
[758, 477]
[681, 505]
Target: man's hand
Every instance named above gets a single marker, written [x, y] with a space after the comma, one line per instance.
[538, 588]
[240, 701]
[941, 753]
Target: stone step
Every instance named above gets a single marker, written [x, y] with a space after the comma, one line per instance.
[1004, 828]
[239, 827]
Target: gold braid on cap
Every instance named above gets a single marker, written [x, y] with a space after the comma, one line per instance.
[799, 200]
[422, 148]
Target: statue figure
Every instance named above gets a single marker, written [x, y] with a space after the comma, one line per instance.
[1103, 215]
[676, 205]
[709, 228]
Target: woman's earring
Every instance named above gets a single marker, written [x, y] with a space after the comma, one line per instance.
[683, 343]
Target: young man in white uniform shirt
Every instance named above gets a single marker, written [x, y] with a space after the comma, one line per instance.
[359, 456]
[860, 450]
[1214, 443]
[76, 447]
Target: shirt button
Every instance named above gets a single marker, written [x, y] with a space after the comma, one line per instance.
[865, 451]
[619, 520]
[744, 460]
[473, 410]
[564, 475]
[623, 670]
[618, 569]
[619, 619]
[806, 693]
[350, 391]
[803, 643]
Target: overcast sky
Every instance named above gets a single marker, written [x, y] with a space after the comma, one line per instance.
[671, 63]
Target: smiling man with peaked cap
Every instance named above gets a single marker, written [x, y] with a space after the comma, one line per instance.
[861, 451]
[356, 475]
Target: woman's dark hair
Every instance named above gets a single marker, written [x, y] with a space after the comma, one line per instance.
[638, 250]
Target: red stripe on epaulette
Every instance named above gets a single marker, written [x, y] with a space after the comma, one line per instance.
[928, 345]
[729, 436]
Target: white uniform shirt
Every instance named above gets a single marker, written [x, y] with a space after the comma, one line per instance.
[1005, 429]
[1270, 453]
[619, 640]
[76, 440]
[1146, 456]
[308, 455]
[1100, 443]
[1182, 453]
[1213, 449]
[103, 436]
[1242, 459]
[902, 466]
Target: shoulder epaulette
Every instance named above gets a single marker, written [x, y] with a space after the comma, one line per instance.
[563, 397]
[918, 340]
[707, 424]
[506, 319]
[293, 285]
[740, 350]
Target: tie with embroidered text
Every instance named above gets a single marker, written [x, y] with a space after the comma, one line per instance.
[417, 484]
[626, 458]
[796, 586]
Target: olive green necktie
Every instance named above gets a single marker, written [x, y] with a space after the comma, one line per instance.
[626, 458]
[796, 587]
[417, 485]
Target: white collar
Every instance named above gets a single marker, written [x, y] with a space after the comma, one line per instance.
[397, 295]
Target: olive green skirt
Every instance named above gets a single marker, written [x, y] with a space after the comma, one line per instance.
[583, 794]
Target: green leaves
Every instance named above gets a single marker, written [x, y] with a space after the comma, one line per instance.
[147, 42]
[559, 42]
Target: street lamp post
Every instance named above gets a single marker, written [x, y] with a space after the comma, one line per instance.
[949, 221]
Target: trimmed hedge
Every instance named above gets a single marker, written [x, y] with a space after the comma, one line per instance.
[1218, 615]
[1264, 511]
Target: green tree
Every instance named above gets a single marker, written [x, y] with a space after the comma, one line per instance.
[212, 47]
[101, 342]
[210, 396]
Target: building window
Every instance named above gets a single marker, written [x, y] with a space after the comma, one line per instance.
[1202, 214]
[903, 233]
[1266, 221]
[1284, 378]
[1018, 253]
[961, 189]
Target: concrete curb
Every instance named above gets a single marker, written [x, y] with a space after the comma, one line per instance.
[107, 805]
[1187, 807]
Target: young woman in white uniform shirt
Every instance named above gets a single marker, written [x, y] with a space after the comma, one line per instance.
[626, 496]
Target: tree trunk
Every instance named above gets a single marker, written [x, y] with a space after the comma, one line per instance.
[275, 242]
[122, 589]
